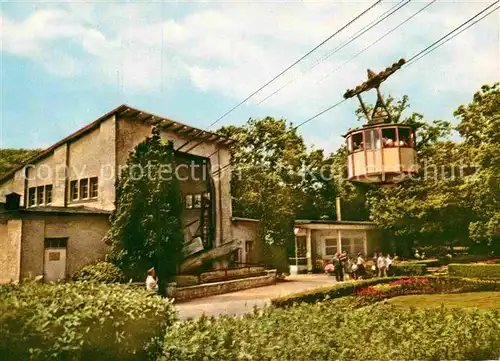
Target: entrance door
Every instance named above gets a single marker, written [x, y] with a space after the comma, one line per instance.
[55, 259]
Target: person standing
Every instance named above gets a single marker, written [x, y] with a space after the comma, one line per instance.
[339, 272]
[344, 257]
[152, 280]
[388, 262]
[360, 262]
[381, 265]
[374, 265]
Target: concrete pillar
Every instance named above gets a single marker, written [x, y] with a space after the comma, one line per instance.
[365, 245]
[309, 251]
[339, 241]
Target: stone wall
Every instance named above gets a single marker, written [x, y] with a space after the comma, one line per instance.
[247, 230]
[50, 170]
[10, 249]
[216, 288]
[94, 155]
[14, 184]
[84, 233]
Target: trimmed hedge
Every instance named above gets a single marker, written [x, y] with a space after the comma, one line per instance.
[328, 331]
[329, 292]
[100, 272]
[408, 269]
[80, 321]
[491, 271]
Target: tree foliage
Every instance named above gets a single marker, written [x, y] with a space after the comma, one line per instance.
[448, 202]
[146, 228]
[11, 158]
[276, 179]
[480, 127]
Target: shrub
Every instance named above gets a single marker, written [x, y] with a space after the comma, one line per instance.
[330, 292]
[79, 321]
[408, 269]
[475, 270]
[324, 331]
[100, 272]
[186, 280]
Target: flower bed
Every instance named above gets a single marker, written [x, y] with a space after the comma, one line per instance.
[325, 293]
[381, 288]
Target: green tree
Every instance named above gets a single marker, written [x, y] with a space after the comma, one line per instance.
[146, 226]
[429, 209]
[266, 178]
[11, 158]
[480, 127]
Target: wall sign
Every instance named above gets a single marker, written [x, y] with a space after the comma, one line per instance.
[54, 256]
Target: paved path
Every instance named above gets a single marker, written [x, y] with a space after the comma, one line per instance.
[241, 302]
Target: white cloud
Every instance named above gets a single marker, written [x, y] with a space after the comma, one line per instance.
[233, 48]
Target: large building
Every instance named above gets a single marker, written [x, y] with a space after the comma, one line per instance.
[54, 209]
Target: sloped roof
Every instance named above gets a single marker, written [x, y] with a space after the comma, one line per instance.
[61, 210]
[128, 112]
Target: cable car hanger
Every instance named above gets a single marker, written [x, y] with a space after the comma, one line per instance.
[378, 115]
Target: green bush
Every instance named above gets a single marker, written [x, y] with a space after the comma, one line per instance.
[186, 280]
[79, 321]
[467, 258]
[330, 292]
[475, 270]
[100, 272]
[325, 331]
[408, 269]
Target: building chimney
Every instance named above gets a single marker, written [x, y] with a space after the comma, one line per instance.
[12, 201]
[337, 207]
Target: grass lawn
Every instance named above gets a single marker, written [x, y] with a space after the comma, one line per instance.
[483, 300]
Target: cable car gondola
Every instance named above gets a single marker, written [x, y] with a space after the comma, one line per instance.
[380, 152]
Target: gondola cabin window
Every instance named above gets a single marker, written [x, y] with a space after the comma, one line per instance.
[404, 137]
[357, 142]
[372, 138]
[389, 137]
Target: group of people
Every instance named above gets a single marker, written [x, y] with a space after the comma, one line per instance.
[346, 267]
[381, 264]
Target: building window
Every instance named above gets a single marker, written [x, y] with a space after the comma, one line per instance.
[73, 190]
[330, 246]
[48, 194]
[56, 242]
[84, 188]
[188, 202]
[197, 201]
[32, 197]
[353, 244]
[94, 187]
[39, 195]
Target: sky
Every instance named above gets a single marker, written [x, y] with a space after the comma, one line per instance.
[65, 63]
